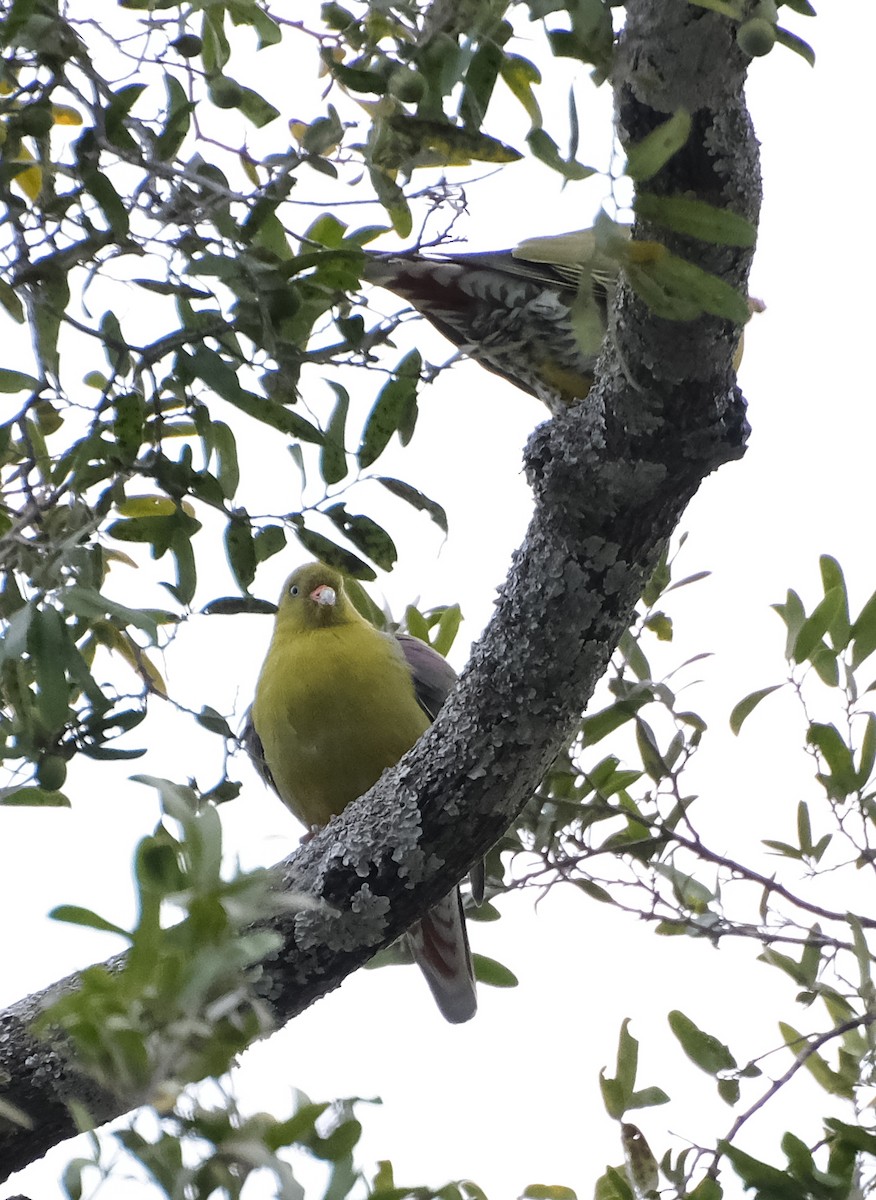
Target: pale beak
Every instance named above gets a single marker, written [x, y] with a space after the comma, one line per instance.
[323, 595]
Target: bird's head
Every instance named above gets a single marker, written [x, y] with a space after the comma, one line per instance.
[313, 597]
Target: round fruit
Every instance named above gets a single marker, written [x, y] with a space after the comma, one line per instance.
[36, 119]
[51, 772]
[756, 37]
[189, 45]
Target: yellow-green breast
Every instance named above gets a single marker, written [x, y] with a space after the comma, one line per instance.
[334, 707]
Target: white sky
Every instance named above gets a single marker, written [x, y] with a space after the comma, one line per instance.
[513, 1097]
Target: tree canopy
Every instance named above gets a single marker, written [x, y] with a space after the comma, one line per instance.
[194, 300]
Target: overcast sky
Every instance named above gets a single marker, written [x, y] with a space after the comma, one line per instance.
[512, 1097]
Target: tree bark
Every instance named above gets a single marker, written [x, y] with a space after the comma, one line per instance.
[611, 479]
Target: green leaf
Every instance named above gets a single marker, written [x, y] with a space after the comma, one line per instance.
[627, 1059]
[416, 499]
[545, 149]
[49, 303]
[365, 534]
[129, 424]
[825, 1076]
[548, 1191]
[864, 632]
[679, 290]
[647, 1098]
[391, 409]
[696, 218]
[858, 1138]
[256, 108]
[32, 797]
[87, 602]
[832, 579]
[448, 627]
[11, 302]
[630, 648]
[333, 456]
[652, 153]
[50, 647]
[269, 540]
[519, 76]
[240, 548]
[792, 42]
[225, 448]
[793, 614]
[209, 367]
[116, 114]
[804, 827]
[824, 617]
[652, 759]
[748, 704]
[709, 1054]
[613, 1185]
[327, 551]
[837, 755]
[393, 200]
[480, 79]
[862, 953]
[599, 725]
[109, 200]
[612, 1096]
[707, 1189]
[214, 721]
[594, 891]
[868, 752]
[355, 78]
[492, 973]
[176, 126]
[772, 1184]
[72, 914]
[17, 381]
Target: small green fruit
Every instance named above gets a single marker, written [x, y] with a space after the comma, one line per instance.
[189, 45]
[756, 37]
[51, 772]
[36, 119]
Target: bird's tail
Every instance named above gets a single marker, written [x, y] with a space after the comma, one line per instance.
[439, 944]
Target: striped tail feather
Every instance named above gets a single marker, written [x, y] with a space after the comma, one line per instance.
[439, 944]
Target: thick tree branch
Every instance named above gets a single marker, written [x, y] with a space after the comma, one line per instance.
[611, 480]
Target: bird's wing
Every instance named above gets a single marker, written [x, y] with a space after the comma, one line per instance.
[252, 744]
[433, 676]
[439, 944]
[537, 322]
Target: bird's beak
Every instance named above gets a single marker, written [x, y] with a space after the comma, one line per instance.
[323, 595]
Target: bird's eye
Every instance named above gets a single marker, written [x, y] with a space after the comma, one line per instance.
[293, 590]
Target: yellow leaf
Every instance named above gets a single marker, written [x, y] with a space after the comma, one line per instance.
[148, 671]
[65, 115]
[117, 640]
[646, 253]
[31, 180]
[146, 506]
[249, 167]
